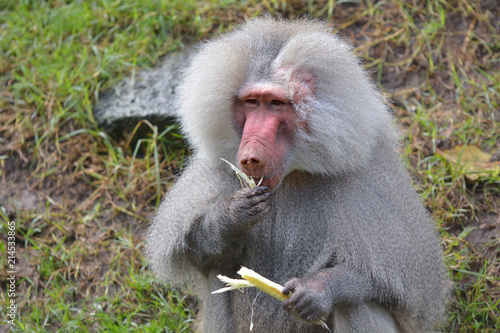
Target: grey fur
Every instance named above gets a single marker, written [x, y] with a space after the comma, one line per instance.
[345, 207]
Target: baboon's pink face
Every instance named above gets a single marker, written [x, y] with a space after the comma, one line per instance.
[265, 116]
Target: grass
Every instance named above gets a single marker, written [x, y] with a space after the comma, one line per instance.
[81, 199]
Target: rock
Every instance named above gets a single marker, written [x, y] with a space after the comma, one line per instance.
[149, 95]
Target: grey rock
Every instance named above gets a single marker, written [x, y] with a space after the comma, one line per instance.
[149, 95]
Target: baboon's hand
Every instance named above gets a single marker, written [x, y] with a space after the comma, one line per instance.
[310, 300]
[248, 206]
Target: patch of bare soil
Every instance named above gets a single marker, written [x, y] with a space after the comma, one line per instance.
[486, 235]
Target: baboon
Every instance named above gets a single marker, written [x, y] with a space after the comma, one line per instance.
[336, 219]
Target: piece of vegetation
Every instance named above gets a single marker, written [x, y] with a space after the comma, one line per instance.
[245, 180]
[254, 279]
[80, 199]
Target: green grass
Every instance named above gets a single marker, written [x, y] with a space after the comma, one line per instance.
[79, 242]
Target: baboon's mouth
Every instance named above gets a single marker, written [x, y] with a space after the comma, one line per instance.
[270, 181]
